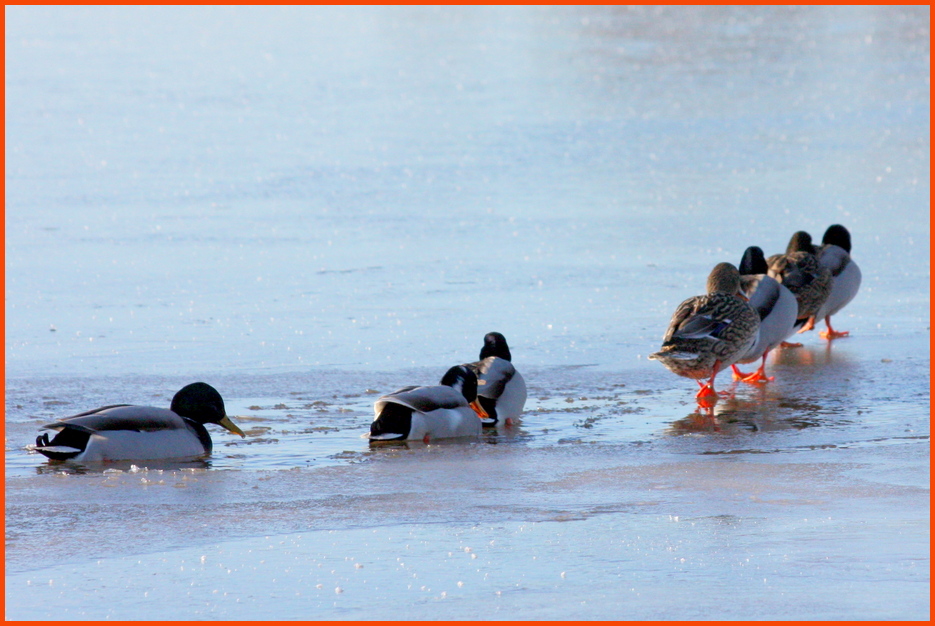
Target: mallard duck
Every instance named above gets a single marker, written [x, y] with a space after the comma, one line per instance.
[501, 390]
[776, 307]
[798, 269]
[834, 255]
[710, 332]
[126, 432]
[448, 409]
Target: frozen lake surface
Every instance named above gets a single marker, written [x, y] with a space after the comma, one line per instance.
[309, 207]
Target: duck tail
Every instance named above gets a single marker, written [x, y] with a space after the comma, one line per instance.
[394, 422]
[65, 445]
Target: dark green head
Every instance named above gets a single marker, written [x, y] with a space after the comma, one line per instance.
[839, 236]
[461, 379]
[495, 345]
[200, 402]
[753, 262]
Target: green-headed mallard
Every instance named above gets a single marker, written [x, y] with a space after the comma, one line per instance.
[835, 255]
[125, 432]
[501, 390]
[448, 409]
[776, 306]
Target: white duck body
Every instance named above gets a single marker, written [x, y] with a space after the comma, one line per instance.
[845, 279]
[432, 412]
[127, 432]
[777, 308]
[501, 390]
[437, 412]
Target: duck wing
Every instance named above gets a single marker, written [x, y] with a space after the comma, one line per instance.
[423, 399]
[124, 432]
[683, 314]
[493, 374]
[796, 270]
[701, 317]
[834, 258]
[121, 417]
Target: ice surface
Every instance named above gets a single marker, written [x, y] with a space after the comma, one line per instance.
[308, 207]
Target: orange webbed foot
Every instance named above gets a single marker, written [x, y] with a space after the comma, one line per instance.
[810, 324]
[787, 344]
[707, 402]
[758, 377]
[707, 397]
[830, 333]
[737, 374]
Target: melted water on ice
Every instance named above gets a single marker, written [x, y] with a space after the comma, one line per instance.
[308, 207]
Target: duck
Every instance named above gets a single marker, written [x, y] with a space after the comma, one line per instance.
[441, 411]
[710, 332]
[127, 432]
[798, 269]
[501, 389]
[835, 255]
[777, 309]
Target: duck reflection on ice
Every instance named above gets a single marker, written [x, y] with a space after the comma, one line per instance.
[504, 435]
[128, 467]
[815, 387]
[767, 411]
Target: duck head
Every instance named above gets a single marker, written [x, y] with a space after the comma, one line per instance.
[462, 379]
[495, 345]
[801, 241]
[839, 236]
[724, 278]
[200, 402]
[753, 262]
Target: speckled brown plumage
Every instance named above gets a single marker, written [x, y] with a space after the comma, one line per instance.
[710, 332]
[799, 270]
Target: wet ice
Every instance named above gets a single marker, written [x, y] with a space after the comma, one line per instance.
[310, 220]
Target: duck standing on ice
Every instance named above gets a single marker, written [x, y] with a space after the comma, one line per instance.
[776, 306]
[799, 270]
[835, 255]
[710, 332]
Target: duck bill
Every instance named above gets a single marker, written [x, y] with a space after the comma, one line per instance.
[481, 413]
[231, 426]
